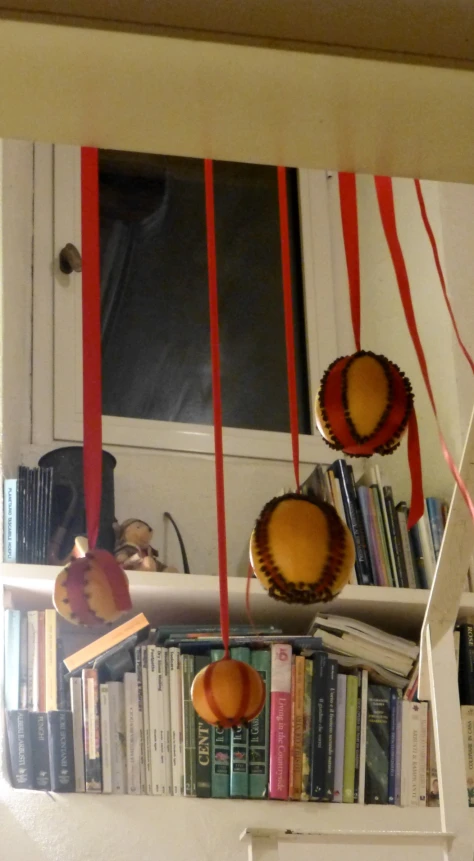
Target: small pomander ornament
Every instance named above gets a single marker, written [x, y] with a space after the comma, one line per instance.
[227, 693]
[92, 590]
[300, 550]
[363, 405]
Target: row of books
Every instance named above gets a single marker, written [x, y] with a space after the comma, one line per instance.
[387, 552]
[27, 515]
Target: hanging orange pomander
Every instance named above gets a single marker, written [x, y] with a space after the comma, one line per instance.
[228, 692]
[92, 590]
[300, 550]
[363, 405]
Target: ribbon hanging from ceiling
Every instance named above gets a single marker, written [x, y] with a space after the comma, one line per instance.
[384, 190]
[350, 230]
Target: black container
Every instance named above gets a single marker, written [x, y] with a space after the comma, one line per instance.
[68, 497]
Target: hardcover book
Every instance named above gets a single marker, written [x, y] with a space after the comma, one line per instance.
[298, 728]
[189, 726]
[91, 711]
[203, 744]
[40, 750]
[260, 731]
[340, 737]
[280, 708]
[307, 733]
[19, 745]
[350, 740]
[378, 744]
[61, 751]
[239, 743]
[320, 697]
[331, 730]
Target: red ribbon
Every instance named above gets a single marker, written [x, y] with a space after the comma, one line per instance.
[91, 342]
[289, 327]
[437, 261]
[217, 401]
[350, 232]
[384, 189]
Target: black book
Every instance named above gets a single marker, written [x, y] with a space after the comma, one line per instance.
[378, 744]
[62, 684]
[331, 729]
[203, 743]
[28, 515]
[319, 728]
[418, 558]
[358, 733]
[396, 537]
[466, 665]
[21, 495]
[19, 745]
[61, 751]
[355, 523]
[40, 750]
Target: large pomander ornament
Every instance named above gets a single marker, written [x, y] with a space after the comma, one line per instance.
[92, 590]
[300, 550]
[227, 693]
[363, 405]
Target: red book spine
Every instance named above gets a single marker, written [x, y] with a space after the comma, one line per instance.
[280, 720]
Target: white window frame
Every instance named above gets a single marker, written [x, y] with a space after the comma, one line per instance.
[59, 345]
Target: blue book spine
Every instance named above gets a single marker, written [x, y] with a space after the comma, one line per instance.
[392, 762]
[12, 627]
[239, 744]
[353, 514]
[10, 521]
[259, 732]
[435, 516]
[220, 751]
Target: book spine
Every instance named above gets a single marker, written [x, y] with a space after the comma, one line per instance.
[378, 744]
[176, 721]
[260, 730]
[239, 743]
[203, 743]
[320, 726]
[19, 745]
[280, 708]
[410, 754]
[50, 660]
[420, 561]
[467, 721]
[432, 793]
[364, 693]
[220, 751]
[376, 504]
[396, 538]
[157, 772]
[307, 729]
[33, 665]
[141, 720]
[10, 519]
[368, 517]
[92, 762]
[64, 701]
[118, 754]
[398, 752]
[466, 665]
[40, 750]
[189, 726]
[160, 680]
[23, 661]
[61, 751]
[340, 733]
[427, 547]
[132, 732]
[392, 762]
[354, 521]
[105, 739]
[77, 732]
[298, 732]
[167, 725]
[350, 740]
[12, 632]
[291, 757]
[40, 663]
[145, 725]
[331, 730]
[358, 726]
[435, 516]
[422, 754]
[406, 546]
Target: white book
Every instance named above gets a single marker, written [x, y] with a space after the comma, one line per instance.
[373, 635]
[361, 649]
[423, 755]
[138, 670]
[340, 737]
[176, 709]
[160, 673]
[414, 740]
[146, 720]
[50, 660]
[75, 686]
[157, 773]
[9, 519]
[32, 661]
[118, 753]
[167, 722]
[132, 731]
[467, 721]
[105, 739]
[24, 661]
[364, 691]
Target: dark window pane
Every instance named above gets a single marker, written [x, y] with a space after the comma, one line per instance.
[155, 314]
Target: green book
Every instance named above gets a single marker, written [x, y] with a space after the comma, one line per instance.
[189, 740]
[220, 752]
[259, 731]
[350, 740]
[307, 711]
[203, 742]
[239, 743]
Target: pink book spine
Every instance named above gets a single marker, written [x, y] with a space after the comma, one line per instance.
[280, 718]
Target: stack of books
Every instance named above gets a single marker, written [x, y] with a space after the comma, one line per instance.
[336, 725]
[387, 552]
[27, 515]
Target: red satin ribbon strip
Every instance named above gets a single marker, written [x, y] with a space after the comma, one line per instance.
[434, 247]
[384, 189]
[217, 401]
[417, 504]
[350, 232]
[289, 328]
[91, 342]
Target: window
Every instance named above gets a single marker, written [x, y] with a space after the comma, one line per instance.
[155, 335]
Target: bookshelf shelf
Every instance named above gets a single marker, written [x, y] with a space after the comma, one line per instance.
[176, 598]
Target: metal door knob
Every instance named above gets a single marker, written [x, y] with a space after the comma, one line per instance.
[70, 259]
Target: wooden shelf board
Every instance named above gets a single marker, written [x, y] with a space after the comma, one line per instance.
[175, 598]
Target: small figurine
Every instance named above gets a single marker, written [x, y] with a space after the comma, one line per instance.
[133, 550]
